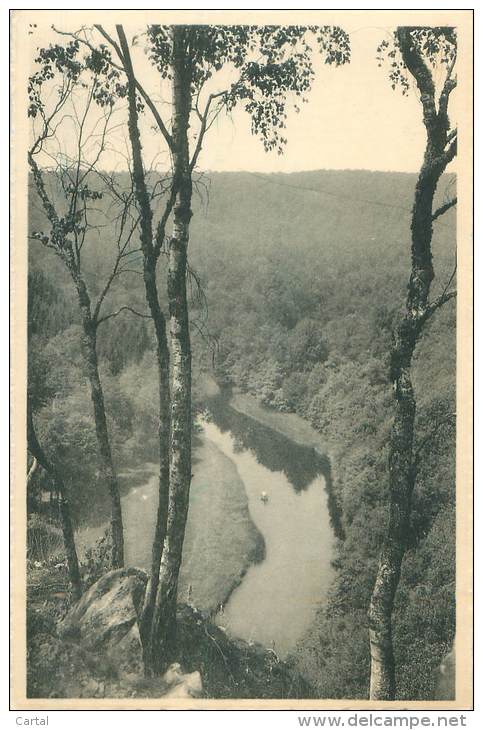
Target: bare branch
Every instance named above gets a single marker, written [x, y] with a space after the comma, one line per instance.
[448, 87]
[118, 311]
[122, 247]
[204, 126]
[126, 62]
[443, 208]
[161, 227]
[442, 299]
[125, 270]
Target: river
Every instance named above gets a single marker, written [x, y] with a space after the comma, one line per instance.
[277, 598]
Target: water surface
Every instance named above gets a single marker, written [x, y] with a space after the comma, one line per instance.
[277, 599]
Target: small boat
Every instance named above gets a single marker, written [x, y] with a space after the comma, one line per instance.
[264, 497]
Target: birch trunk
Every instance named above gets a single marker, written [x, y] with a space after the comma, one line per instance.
[164, 619]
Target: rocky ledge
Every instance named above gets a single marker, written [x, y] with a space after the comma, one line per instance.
[95, 651]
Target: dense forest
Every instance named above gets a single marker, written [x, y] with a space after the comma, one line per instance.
[296, 282]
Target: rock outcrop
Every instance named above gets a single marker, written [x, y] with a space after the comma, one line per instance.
[96, 652]
[106, 618]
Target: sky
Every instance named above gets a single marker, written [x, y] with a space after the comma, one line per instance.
[353, 119]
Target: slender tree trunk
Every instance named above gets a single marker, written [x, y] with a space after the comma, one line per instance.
[164, 620]
[90, 356]
[69, 542]
[89, 347]
[418, 309]
[162, 353]
[66, 522]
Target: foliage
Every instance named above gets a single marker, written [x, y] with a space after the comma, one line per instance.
[437, 46]
[270, 61]
[349, 302]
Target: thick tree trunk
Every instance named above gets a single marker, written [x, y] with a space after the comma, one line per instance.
[401, 463]
[401, 471]
[66, 522]
[164, 620]
[401, 481]
[162, 352]
[106, 463]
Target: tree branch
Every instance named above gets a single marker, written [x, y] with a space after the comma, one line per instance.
[203, 128]
[126, 62]
[451, 135]
[442, 299]
[417, 67]
[120, 255]
[118, 311]
[112, 42]
[443, 208]
[86, 43]
[122, 67]
[161, 227]
[448, 87]
[34, 467]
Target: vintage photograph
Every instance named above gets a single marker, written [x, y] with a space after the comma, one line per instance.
[242, 270]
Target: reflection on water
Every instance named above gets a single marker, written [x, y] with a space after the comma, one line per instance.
[278, 598]
[300, 464]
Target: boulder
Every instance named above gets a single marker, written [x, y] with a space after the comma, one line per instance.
[182, 685]
[103, 624]
[106, 618]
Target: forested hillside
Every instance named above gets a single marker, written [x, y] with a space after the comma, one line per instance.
[297, 281]
[303, 293]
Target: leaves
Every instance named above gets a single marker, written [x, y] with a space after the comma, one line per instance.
[437, 46]
[274, 63]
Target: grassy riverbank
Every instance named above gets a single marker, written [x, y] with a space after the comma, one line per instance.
[221, 540]
[290, 425]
